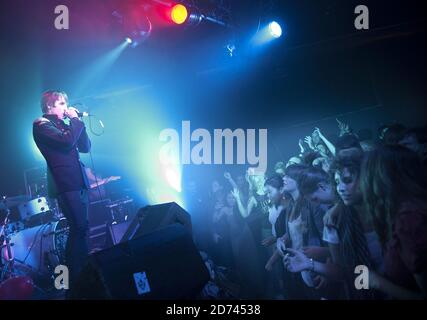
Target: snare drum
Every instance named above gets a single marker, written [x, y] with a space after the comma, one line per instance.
[32, 208]
[36, 212]
[37, 251]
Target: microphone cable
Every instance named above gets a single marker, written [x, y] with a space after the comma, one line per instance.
[90, 116]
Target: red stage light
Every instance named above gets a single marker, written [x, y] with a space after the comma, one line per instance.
[179, 14]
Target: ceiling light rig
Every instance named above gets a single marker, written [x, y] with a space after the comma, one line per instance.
[137, 22]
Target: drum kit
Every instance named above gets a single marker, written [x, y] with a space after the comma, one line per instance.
[34, 233]
[34, 244]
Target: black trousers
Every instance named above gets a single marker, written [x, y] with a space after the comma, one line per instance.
[74, 206]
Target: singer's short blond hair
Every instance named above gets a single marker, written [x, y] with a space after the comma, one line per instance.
[49, 97]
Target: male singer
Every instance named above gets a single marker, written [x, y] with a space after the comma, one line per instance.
[60, 144]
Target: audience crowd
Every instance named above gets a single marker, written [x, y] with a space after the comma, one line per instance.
[340, 220]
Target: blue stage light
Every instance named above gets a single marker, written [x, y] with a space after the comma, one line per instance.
[275, 29]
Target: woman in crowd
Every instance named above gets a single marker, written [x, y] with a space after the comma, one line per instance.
[276, 211]
[394, 186]
[255, 209]
[303, 228]
[254, 212]
[349, 232]
[222, 233]
[276, 216]
[241, 185]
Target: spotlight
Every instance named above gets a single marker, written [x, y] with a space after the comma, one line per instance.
[179, 14]
[140, 35]
[275, 29]
[266, 34]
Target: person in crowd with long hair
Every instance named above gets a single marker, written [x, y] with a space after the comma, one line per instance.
[349, 233]
[254, 212]
[276, 217]
[394, 187]
[303, 228]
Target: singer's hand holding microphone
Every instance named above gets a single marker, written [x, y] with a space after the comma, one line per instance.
[72, 112]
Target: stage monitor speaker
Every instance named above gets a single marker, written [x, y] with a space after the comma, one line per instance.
[151, 218]
[162, 265]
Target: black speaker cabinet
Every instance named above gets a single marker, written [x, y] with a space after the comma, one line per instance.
[150, 218]
[163, 265]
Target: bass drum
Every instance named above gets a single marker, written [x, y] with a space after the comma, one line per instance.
[37, 251]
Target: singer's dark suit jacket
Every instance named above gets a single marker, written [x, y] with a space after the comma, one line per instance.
[60, 145]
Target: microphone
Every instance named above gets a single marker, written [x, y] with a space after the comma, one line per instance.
[84, 114]
[81, 114]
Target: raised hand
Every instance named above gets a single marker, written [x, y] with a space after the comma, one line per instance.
[227, 175]
[309, 141]
[318, 132]
[344, 128]
[236, 194]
